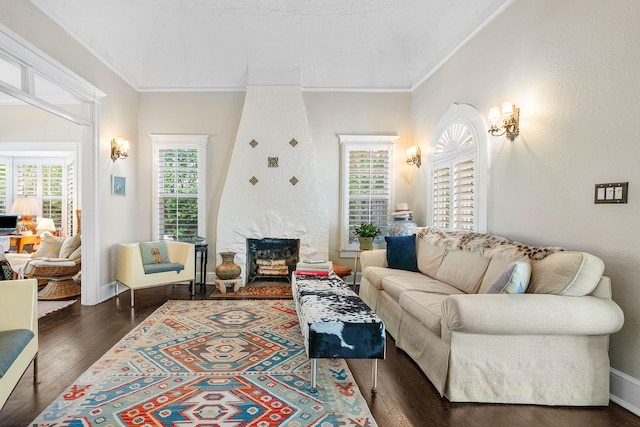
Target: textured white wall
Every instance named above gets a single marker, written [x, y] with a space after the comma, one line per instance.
[572, 67]
[273, 207]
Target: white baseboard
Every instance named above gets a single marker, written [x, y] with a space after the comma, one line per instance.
[625, 391]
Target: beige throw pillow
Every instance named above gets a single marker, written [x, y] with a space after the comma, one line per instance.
[69, 245]
[49, 246]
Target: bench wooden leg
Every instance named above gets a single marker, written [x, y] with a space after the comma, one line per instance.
[314, 379]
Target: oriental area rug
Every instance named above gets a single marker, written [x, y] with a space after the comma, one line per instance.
[212, 363]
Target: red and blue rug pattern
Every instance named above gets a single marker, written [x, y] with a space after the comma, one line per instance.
[212, 363]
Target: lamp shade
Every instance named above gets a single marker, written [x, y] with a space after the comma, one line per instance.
[25, 206]
[45, 224]
[494, 115]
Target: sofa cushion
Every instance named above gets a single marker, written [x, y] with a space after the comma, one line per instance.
[69, 245]
[401, 252]
[162, 267]
[395, 286]
[568, 273]
[49, 246]
[462, 269]
[154, 252]
[514, 279]
[429, 256]
[12, 342]
[424, 306]
[376, 274]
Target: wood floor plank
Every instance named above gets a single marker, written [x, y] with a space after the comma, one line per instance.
[72, 339]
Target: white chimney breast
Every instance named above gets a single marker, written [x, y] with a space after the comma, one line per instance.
[273, 207]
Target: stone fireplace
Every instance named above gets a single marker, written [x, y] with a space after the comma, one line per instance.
[272, 189]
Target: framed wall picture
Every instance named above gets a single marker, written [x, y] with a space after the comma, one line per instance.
[118, 185]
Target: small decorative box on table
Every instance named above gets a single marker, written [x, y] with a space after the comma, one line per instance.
[336, 323]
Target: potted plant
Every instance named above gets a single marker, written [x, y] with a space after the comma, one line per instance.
[366, 233]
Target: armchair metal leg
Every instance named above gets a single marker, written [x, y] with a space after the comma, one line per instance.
[132, 298]
[35, 370]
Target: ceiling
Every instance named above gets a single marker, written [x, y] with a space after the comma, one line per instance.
[228, 44]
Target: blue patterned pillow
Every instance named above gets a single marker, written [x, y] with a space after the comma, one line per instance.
[514, 279]
[154, 252]
[401, 252]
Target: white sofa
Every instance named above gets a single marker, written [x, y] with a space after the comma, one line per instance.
[130, 270]
[546, 346]
[18, 321]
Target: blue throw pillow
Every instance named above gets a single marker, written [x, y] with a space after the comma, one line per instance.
[154, 252]
[401, 252]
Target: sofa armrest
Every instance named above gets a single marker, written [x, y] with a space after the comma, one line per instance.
[531, 314]
[374, 257]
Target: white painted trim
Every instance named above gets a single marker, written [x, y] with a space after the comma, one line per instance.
[198, 142]
[32, 59]
[30, 56]
[625, 391]
[347, 142]
[357, 90]
[446, 59]
[472, 118]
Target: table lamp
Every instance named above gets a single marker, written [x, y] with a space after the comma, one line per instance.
[45, 224]
[27, 208]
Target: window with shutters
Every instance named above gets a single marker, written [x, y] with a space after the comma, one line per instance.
[366, 185]
[179, 186]
[458, 191]
[5, 185]
[44, 179]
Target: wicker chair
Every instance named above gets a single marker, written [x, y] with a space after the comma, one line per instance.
[58, 276]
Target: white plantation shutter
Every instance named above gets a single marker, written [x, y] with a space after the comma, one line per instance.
[442, 197]
[5, 202]
[48, 181]
[52, 194]
[369, 192]
[464, 195]
[455, 180]
[27, 179]
[366, 185]
[179, 187]
[70, 218]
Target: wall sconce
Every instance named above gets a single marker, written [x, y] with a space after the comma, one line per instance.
[510, 120]
[413, 156]
[119, 148]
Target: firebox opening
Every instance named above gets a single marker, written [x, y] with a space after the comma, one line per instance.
[271, 259]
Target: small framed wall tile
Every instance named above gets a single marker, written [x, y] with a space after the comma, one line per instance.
[272, 162]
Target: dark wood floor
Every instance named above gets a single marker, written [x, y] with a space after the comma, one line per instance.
[74, 338]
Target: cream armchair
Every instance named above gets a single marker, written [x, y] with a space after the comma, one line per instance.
[130, 271]
[18, 313]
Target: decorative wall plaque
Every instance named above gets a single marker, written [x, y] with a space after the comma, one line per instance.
[253, 180]
[273, 162]
[293, 180]
[253, 143]
[293, 142]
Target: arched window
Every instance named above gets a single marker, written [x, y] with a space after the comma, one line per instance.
[458, 190]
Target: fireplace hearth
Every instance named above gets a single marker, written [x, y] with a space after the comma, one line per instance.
[271, 258]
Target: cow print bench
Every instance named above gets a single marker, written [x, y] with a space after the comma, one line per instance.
[336, 323]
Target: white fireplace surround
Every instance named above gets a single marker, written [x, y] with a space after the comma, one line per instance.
[273, 207]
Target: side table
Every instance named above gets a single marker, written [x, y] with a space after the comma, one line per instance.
[201, 251]
[355, 267]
